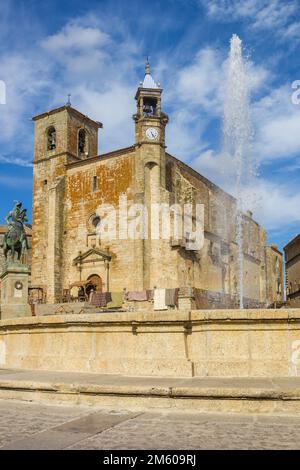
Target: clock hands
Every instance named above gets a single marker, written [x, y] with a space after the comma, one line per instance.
[152, 133]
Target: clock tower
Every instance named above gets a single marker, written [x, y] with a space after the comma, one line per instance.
[150, 123]
[150, 174]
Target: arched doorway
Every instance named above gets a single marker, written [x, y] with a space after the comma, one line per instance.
[95, 283]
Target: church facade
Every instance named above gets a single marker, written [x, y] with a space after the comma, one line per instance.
[71, 181]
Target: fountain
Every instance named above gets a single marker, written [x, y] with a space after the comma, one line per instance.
[237, 138]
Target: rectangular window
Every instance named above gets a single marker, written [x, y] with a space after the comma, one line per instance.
[94, 183]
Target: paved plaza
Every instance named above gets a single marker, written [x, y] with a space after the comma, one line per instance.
[24, 425]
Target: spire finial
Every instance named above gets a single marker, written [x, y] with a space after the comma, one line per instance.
[147, 67]
[69, 100]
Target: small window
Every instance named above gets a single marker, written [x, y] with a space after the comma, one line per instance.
[94, 183]
[45, 182]
[96, 221]
[51, 138]
[81, 142]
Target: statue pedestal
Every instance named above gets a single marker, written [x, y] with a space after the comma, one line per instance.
[14, 291]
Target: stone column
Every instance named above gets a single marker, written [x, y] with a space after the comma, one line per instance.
[54, 241]
[14, 291]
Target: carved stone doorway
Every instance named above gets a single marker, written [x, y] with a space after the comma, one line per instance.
[95, 283]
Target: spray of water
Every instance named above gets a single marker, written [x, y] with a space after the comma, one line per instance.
[238, 137]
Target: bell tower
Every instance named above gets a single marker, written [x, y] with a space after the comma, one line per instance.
[150, 121]
[62, 135]
[150, 124]
[150, 170]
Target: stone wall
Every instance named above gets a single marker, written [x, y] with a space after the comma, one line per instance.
[292, 259]
[219, 300]
[215, 266]
[114, 178]
[220, 343]
[274, 273]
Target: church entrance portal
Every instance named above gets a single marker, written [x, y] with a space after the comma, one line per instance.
[95, 283]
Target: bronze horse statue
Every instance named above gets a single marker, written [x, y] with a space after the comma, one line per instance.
[15, 240]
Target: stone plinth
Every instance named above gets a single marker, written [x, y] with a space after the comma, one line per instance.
[14, 291]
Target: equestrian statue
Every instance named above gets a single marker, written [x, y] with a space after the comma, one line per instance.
[15, 240]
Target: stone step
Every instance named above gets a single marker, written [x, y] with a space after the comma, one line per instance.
[205, 394]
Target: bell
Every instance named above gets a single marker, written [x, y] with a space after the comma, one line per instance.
[148, 109]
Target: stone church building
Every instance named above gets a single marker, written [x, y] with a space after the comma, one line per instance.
[71, 180]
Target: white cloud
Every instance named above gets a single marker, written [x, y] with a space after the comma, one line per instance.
[275, 118]
[259, 77]
[74, 36]
[83, 60]
[292, 31]
[274, 14]
[273, 204]
[185, 135]
[199, 83]
[262, 14]
[277, 125]
[79, 48]
[114, 107]
[195, 94]
[218, 167]
[100, 73]
[225, 9]
[25, 78]
[15, 161]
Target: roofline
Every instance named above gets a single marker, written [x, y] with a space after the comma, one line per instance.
[206, 180]
[212, 186]
[104, 156]
[291, 242]
[293, 260]
[275, 249]
[68, 108]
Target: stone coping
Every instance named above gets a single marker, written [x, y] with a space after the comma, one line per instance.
[276, 388]
[158, 317]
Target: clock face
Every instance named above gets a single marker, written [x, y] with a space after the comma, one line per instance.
[152, 133]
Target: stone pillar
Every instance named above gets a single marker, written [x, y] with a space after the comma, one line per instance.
[54, 241]
[14, 292]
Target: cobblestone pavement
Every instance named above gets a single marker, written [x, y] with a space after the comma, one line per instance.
[32, 426]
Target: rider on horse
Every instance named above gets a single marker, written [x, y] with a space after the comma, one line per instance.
[15, 238]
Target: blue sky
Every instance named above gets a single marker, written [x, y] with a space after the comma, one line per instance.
[95, 50]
